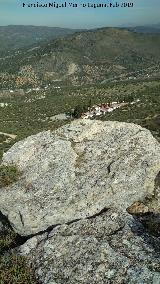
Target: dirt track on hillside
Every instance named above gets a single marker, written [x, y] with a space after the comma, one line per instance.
[13, 136]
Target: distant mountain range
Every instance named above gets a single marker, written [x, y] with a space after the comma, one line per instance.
[146, 29]
[85, 57]
[20, 36]
[14, 37]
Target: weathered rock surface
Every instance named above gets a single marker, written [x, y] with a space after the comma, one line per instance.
[77, 171]
[106, 249]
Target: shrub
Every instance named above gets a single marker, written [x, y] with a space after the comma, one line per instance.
[14, 269]
[7, 238]
[79, 109]
[8, 175]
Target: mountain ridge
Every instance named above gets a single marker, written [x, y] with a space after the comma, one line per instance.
[155, 28]
[85, 57]
[19, 36]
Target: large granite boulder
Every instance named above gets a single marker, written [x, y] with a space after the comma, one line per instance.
[78, 171]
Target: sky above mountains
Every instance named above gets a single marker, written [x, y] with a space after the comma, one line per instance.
[143, 12]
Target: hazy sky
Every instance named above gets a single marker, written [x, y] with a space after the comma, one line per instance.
[144, 12]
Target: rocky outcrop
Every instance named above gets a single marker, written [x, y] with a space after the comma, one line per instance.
[88, 202]
[78, 171]
[107, 249]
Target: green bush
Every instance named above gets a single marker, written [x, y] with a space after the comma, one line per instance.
[79, 109]
[8, 175]
[7, 237]
[15, 270]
